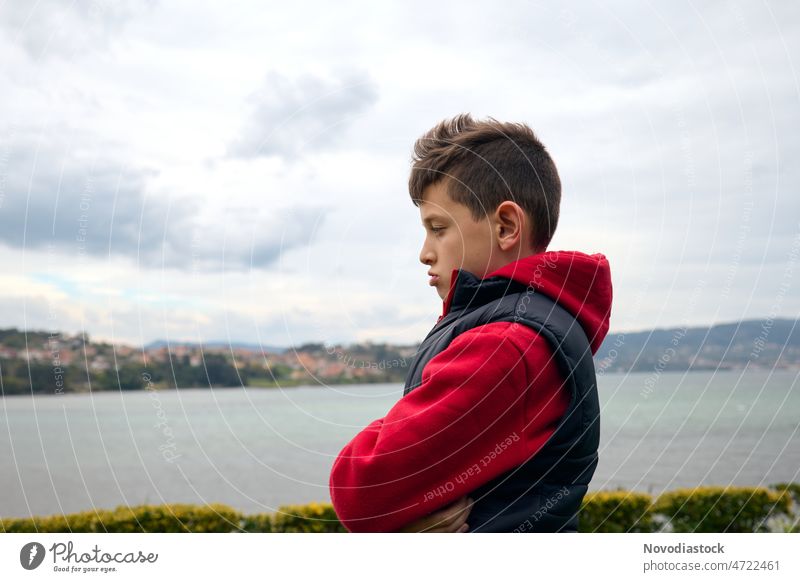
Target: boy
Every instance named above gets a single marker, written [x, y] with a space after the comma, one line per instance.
[498, 427]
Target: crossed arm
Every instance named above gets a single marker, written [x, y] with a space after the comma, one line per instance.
[413, 469]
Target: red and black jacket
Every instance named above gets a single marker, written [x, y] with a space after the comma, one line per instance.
[500, 404]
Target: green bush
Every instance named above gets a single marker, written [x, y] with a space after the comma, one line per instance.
[175, 518]
[791, 523]
[793, 489]
[257, 523]
[721, 509]
[311, 518]
[703, 509]
[615, 512]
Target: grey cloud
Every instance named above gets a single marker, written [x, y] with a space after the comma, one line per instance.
[48, 28]
[696, 154]
[93, 205]
[242, 239]
[290, 116]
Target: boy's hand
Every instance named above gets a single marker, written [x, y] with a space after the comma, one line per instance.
[450, 519]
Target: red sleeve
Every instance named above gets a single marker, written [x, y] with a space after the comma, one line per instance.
[464, 425]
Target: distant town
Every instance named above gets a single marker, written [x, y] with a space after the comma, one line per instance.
[54, 363]
[51, 362]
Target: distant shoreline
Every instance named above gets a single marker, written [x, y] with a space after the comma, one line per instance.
[163, 387]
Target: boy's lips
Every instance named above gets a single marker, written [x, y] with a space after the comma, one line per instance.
[434, 279]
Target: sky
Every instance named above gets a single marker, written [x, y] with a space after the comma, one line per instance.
[198, 171]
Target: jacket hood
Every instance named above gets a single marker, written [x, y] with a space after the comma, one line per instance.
[580, 283]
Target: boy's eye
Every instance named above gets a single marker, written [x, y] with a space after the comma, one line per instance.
[437, 229]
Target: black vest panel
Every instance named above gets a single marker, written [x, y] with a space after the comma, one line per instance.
[543, 494]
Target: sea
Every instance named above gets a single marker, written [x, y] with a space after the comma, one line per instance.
[256, 449]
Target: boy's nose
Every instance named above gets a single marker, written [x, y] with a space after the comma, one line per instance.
[426, 257]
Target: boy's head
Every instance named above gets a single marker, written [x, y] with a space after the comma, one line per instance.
[488, 194]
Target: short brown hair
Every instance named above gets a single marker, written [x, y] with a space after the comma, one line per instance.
[485, 163]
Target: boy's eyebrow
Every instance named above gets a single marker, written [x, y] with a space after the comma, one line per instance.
[432, 217]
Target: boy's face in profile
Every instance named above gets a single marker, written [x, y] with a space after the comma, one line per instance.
[453, 239]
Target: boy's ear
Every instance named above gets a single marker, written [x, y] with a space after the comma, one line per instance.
[509, 224]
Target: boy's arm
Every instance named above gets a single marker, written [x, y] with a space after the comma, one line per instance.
[463, 426]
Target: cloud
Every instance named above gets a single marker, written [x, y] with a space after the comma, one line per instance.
[48, 28]
[671, 125]
[68, 192]
[292, 115]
